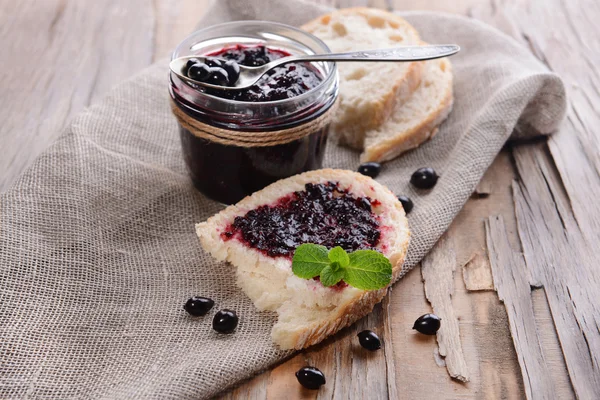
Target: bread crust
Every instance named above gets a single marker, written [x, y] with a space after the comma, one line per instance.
[353, 304]
[346, 315]
[352, 133]
[402, 142]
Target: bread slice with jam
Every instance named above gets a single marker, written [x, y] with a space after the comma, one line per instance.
[259, 235]
[369, 91]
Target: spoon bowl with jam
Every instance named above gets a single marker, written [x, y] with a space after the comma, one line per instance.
[223, 74]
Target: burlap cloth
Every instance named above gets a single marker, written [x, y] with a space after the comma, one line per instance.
[97, 244]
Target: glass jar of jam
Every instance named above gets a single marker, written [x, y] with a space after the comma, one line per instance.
[237, 142]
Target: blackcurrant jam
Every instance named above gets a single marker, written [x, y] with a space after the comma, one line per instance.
[274, 129]
[283, 82]
[323, 214]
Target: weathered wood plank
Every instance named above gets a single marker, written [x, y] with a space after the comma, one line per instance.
[477, 273]
[350, 370]
[456, 6]
[256, 391]
[551, 346]
[438, 275]
[487, 347]
[175, 20]
[511, 283]
[558, 224]
[575, 154]
[575, 55]
[560, 259]
[390, 363]
[485, 337]
[559, 189]
[76, 41]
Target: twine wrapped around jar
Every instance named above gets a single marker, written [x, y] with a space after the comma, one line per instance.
[231, 137]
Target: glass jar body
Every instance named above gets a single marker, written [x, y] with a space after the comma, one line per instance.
[227, 172]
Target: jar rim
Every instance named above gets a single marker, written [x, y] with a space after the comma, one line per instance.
[331, 75]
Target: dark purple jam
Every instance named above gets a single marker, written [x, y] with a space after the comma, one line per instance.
[230, 173]
[322, 214]
[284, 82]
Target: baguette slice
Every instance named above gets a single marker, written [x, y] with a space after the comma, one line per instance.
[417, 120]
[307, 311]
[368, 91]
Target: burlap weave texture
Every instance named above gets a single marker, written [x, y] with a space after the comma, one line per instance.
[97, 244]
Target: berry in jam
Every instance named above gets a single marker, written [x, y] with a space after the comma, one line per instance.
[233, 71]
[323, 214]
[198, 71]
[283, 82]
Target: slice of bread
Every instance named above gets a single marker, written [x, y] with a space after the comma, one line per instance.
[307, 311]
[368, 91]
[417, 120]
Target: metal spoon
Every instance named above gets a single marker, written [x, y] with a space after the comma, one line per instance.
[250, 75]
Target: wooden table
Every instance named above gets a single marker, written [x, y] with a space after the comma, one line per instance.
[517, 275]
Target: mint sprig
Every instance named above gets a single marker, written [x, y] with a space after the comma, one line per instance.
[362, 269]
[309, 260]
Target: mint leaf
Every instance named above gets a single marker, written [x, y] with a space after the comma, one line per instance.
[363, 269]
[368, 270]
[309, 260]
[339, 255]
[330, 277]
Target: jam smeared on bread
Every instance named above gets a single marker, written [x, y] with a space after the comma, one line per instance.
[308, 311]
[322, 214]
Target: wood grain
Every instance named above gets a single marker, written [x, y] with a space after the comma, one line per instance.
[477, 273]
[561, 260]
[487, 347]
[558, 225]
[456, 6]
[174, 20]
[483, 323]
[76, 41]
[511, 282]
[551, 345]
[438, 269]
[86, 48]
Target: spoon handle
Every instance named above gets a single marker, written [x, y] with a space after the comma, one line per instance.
[407, 53]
